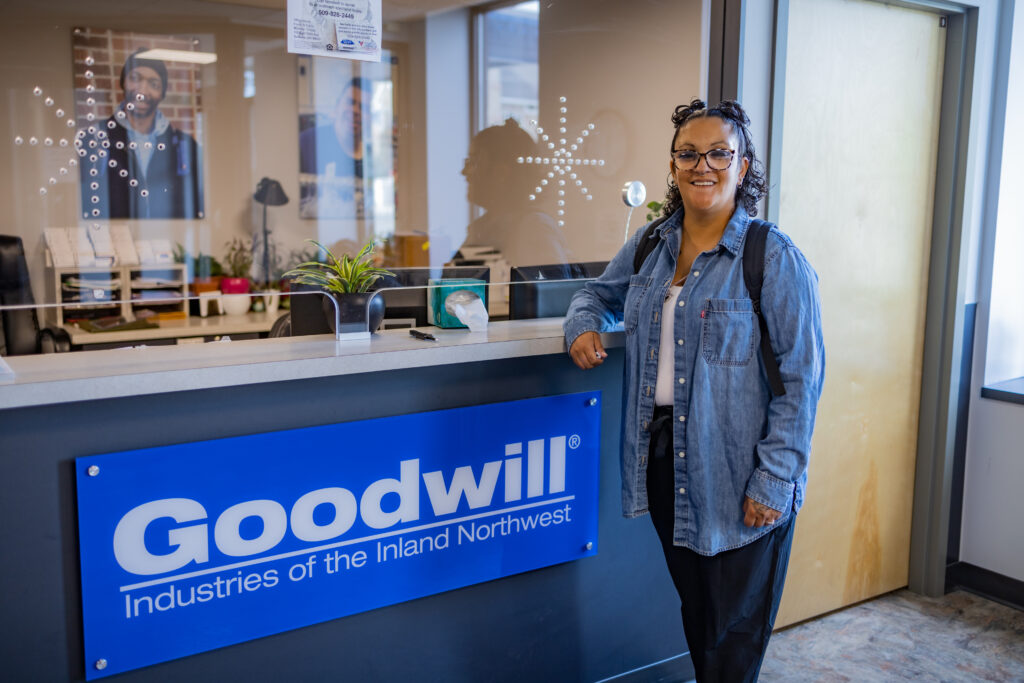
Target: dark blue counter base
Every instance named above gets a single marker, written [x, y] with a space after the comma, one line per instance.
[588, 620]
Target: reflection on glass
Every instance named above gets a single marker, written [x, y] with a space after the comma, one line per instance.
[346, 146]
[394, 152]
[513, 223]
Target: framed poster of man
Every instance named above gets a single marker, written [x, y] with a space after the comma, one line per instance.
[138, 107]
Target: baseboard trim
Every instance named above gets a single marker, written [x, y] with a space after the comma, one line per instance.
[986, 583]
[678, 669]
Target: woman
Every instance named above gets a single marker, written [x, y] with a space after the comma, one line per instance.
[716, 458]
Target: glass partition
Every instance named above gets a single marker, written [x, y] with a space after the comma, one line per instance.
[168, 165]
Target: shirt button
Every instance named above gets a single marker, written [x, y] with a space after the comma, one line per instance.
[682, 490]
[696, 273]
[679, 341]
[682, 454]
[682, 303]
[682, 380]
[682, 418]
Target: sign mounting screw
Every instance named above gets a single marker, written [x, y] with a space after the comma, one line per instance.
[588, 546]
[591, 401]
[93, 471]
[100, 664]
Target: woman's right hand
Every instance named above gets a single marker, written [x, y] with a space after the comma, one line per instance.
[587, 351]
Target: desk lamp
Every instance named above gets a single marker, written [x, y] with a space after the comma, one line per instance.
[268, 193]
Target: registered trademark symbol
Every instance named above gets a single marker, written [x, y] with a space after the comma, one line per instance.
[574, 442]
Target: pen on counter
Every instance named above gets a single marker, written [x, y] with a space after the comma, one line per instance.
[422, 335]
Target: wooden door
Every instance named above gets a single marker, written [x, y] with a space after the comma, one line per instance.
[861, 123]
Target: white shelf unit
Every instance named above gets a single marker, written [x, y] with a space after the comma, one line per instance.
[158, 287]
[136, 287]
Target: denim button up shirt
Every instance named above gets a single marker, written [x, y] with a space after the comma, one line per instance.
[732, 437]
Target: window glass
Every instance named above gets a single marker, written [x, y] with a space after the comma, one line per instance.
[165, 162]
[1005, 353]
[510, 87]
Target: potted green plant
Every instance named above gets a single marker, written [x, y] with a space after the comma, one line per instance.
[653, 210]
[238, 262]
[349, 281]
[205, 271]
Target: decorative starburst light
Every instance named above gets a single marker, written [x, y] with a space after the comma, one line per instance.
[563, 162]
[80, 151]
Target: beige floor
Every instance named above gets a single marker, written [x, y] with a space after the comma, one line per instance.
[903, 636]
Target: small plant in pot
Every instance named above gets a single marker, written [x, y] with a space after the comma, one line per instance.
[205, 270]
[349, 281]
[238, 263]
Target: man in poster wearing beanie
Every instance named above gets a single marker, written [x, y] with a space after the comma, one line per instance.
[136, 163]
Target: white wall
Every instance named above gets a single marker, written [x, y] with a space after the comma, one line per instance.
[448, 128]
[992, 535]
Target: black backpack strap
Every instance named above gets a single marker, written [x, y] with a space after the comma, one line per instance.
[648, 241]
[753, 277]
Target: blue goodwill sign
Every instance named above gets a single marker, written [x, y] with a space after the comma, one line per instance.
[191, 547]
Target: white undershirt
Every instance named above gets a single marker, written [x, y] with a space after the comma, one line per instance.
[664, 390]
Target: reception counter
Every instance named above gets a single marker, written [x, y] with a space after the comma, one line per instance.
[610, 615]
[141, 370]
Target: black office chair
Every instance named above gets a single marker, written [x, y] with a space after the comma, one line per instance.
[282, 327]
[19, 329]
[546, 291]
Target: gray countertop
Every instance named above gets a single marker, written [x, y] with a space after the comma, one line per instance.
[89, 375]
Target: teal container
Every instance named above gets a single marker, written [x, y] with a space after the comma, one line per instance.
[439, 291]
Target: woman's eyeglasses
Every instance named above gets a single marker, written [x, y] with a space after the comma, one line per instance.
[717, 159]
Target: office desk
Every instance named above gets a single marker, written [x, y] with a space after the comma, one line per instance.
[172, 330]
[589, 619]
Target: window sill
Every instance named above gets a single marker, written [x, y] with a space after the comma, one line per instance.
[1011, 391]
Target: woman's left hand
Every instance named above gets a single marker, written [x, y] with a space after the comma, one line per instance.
[756, 514]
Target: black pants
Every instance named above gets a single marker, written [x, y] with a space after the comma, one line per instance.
[729, 600]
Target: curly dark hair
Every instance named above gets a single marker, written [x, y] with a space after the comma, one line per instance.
[754, 184]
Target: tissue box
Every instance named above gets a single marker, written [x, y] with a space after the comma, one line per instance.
[439, 291]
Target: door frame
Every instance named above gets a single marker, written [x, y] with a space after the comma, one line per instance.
[949, 256]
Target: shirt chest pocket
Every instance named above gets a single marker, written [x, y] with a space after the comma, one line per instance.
[727, 332]
[638, 286]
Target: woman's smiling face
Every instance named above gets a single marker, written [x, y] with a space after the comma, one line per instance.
[703, 189]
